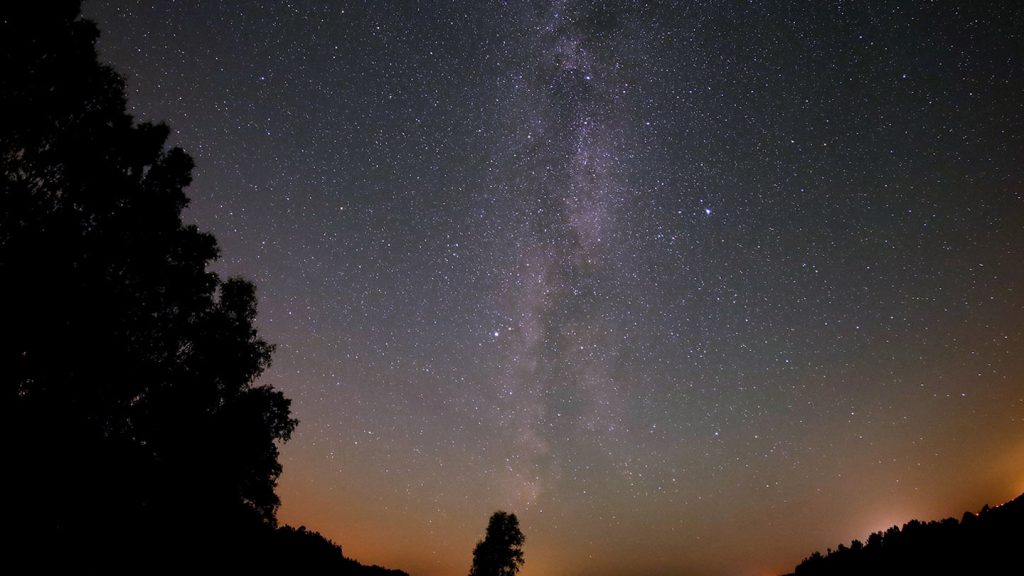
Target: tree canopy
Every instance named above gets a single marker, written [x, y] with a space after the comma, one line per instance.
[983, 543]
[500, 553]
[127, 367]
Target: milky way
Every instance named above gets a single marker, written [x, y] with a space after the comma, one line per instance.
[690, 287]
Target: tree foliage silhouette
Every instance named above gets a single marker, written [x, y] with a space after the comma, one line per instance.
[500, 553]
[983, 543]
[127, 367]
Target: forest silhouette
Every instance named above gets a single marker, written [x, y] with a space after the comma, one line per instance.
[128, 369]
[983, 543]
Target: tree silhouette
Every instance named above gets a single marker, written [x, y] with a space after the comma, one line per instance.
[500, 553]
[985, 543]
[127, 367]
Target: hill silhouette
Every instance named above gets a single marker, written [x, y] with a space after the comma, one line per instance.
[983, 543]
[298, 550]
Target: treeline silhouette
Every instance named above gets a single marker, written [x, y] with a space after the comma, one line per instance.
[985, 543]
[140, 440]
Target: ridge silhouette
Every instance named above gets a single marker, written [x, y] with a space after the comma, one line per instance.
[983, 543]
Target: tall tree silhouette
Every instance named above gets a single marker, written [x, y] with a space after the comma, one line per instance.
[127, 367]
[500, 553]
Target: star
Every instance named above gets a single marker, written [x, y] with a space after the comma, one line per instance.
[481, 217]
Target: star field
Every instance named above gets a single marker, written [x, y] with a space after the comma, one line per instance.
[690, 287]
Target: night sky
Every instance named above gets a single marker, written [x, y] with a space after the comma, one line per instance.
[692, 288]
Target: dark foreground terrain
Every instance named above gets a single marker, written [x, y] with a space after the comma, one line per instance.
[984, 543]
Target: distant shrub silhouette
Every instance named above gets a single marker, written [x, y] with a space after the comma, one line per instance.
[127, 367]
[985, 543]
[500, 553]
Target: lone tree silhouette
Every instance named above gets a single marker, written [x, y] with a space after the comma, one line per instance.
[127, 367]
[500, 553]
